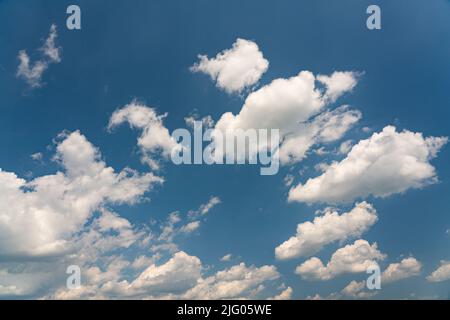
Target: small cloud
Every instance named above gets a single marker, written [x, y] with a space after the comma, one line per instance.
[226, 257]
[32, 73]
[38, 156]
[234, 69]
[190, 227]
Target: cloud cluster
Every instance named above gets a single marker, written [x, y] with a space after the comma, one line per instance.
[408, 267]
[234, 69]
[181, 277]
[32, 73]
[387, 163]
[327, 228]
[354, 258]
[40, 217]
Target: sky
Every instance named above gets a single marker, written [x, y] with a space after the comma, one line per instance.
[87, 179]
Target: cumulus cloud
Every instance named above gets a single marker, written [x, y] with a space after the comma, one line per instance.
[154, 139]
[406, 268]
[284, 295]
[32, 73]
[234, 69]
[338, 83]
[294, 106]
[388, 162]
[235, 282]
[41, 216]
[356, 290]
[327, 228]
[354, 258]
[440, 274]
[181, 277]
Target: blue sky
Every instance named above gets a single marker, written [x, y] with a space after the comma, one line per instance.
[142, 51]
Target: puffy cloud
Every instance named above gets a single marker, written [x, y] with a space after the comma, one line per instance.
[328, 228]
[388, 162]
[406, 268]
[293, 107]
[154, 139]
[338, 83]
[181, 277]
[234, 69]
[178, 274]
[235, 282]
[356, 290]
[41, 217]
[354, 258]
[32, 74]
[440, 274]
[284, 295]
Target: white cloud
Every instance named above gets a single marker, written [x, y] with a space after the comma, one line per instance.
[354, 258]
[338, 83]
[326, 127]
[288, 105]
[190, 227]
[440, 274]
[181, 277]
[389, 162]
[406, 268]
[154, 139]
[207, 121]
[32, 74]
[328, 228]
[356, 290]
[345, 147]
[284, 295]
[41, 217]
[226, 257]
[233, 283]
[234, 69]
[205, 207]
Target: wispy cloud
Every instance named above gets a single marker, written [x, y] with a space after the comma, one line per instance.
[32, 72]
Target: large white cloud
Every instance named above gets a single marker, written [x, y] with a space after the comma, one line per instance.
[354, 258]
[41, 216]
[388, 162]
[234, 69]
[328, 228]
[155, 137]
[293, 107]
[32, 73]
[440, 274]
